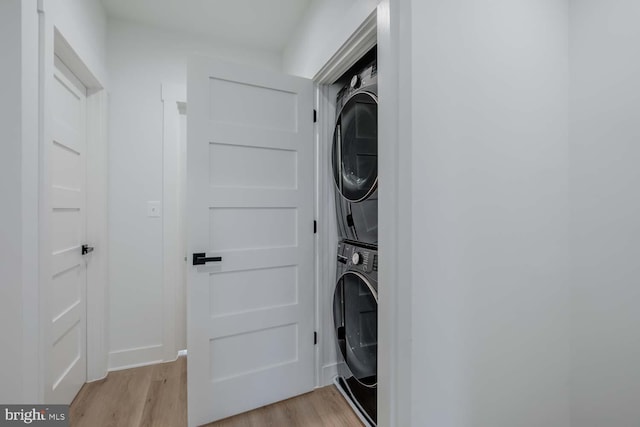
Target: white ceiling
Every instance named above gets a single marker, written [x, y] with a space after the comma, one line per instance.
[262, 24]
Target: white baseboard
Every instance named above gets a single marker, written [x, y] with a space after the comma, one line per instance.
[91, 380]
[328, 374]
[135, 357]
[182, 353]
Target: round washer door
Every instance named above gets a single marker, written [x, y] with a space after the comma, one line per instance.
[355, 316]
[355, 147]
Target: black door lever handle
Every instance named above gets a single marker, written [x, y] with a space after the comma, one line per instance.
[86, 249]
[201, 258]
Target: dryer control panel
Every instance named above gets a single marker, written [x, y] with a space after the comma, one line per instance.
[365, 80]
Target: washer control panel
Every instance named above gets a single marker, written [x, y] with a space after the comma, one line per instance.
[359, 258]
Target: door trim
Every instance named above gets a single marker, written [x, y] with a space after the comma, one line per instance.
[172, 95]
[53, 43]
[364, 38]
[394, 215]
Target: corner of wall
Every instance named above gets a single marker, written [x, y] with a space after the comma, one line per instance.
[326, 26]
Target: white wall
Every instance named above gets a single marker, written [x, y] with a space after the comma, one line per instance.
[141, 59]
[18, 191]
[326, 26]
[83, 24]
[605, 212]
[490, 209]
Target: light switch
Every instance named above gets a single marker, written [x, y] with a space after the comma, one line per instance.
[153, 209]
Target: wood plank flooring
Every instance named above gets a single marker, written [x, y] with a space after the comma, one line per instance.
[156, 396]
[149, 396]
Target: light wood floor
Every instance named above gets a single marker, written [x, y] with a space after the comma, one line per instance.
[156, 396]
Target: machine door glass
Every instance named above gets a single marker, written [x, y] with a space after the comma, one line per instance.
[355, 315]
[355, 147]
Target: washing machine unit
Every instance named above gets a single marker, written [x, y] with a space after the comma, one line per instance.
[355, 157]
[355, 315]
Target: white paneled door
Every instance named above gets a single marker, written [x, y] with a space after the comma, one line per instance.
[67, 361]
[250, 210]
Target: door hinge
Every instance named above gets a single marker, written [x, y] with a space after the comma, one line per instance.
[315, 338]
[315, 116]
[315, 226]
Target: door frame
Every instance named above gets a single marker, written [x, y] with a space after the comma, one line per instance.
[387, 25]
[358, 44]
[52, 43]
[173, 95]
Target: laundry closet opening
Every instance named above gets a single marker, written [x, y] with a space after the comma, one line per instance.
[349, 289]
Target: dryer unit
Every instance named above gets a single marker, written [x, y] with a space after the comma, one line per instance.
[355, 315]
[355, 157]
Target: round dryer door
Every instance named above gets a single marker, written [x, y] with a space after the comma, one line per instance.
[355, 147]
[355, 316]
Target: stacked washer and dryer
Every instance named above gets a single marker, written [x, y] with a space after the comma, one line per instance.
[355, 302]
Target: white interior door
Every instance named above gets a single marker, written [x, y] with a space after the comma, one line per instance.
[67, 305]
[250, 203]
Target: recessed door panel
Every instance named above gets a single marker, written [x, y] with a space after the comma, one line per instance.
[256, 289]
[66, 290]
[259, 167]
[67, 228]
[66, 166]
[249, 105]
[247, 353]
[252, 228]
